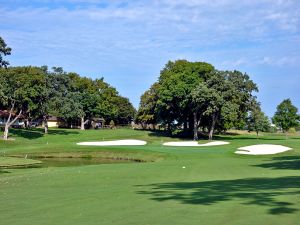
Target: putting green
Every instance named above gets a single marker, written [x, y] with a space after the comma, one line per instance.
[183, 185]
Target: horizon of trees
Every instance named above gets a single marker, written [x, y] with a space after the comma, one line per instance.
[37, 93]
[193, 96]
[186, 98]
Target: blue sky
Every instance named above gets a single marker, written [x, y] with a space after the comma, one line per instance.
[129, 42]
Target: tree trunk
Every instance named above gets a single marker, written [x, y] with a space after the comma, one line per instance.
[82, 123]
[5, 136]
[9, 123]
[46, 124]
[26, 122]
[191, 124]
[185, 125]
[211, 131]
[195, 127]
[169, 128]
[6, 128]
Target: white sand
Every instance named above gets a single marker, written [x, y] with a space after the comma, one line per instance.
[114, 143]
[262, 149]
[194, 143]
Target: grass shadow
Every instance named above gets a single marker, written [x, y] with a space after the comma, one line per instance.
[252, 191]
[3, 171]
[241, 137]
[204, 136]
[39, 132]
[281, 163]
[28, 134]
[158, 133]
[180, 136]
[62, 132]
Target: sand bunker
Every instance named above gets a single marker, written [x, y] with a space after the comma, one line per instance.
[114, 143]
[195, 143]
[262, 149]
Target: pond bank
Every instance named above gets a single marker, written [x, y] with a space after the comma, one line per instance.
[63, 160]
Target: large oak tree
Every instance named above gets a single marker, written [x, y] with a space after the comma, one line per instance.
[23, 90]
[286, 116]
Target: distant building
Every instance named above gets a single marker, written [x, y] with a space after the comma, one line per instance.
[53, 121]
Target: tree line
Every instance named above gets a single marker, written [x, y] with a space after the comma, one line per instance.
[189, 96]
[186, 98]
[39, 92]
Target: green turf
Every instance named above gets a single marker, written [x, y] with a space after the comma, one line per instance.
[216, 186]
[11, 162]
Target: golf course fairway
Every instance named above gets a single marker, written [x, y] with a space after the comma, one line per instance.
[161, 185]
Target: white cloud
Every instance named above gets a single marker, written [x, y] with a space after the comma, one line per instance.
[142, 35]
[232, 64]
[161, 20]
[280, 61]
[159, 27]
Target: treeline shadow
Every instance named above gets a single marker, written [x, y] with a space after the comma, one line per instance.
[180, 135]
[39, 132]
[281, 163]
[252, 191]
[158, 133]
[204, 136]
[25, 133]
[243, 137]
[3, 171]
[62, 132]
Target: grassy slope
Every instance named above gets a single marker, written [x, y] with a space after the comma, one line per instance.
[8, 162]
[216, 187]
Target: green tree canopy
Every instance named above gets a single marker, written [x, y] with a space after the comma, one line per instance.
[147, 110]
[176, 81]
[23, 90]
[257, 121]
[4, 50]
[126, 112]
[286, 115]
[190, 95]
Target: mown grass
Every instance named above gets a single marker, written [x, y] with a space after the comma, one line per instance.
[12, 162]
[184, 185]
